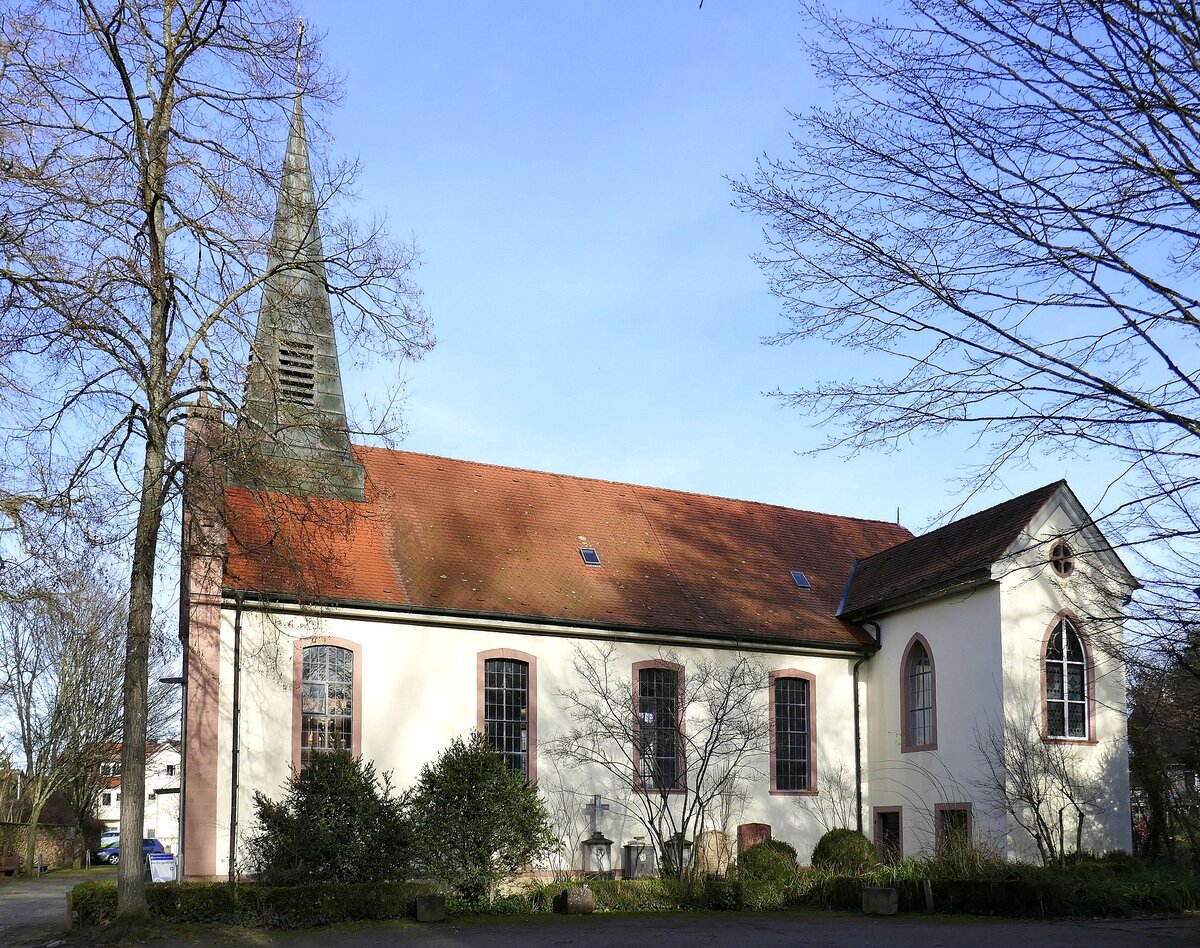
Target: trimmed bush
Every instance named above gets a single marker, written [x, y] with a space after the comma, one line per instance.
[844, 850]
[473, 822]
[301, 906]
[337, 822]
[772, 860]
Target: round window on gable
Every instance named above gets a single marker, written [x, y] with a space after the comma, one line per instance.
[1062, 558]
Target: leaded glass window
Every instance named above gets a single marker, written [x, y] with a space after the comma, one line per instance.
[1066, 683]
[326, 700]
[791, 734]
[920, 697]
[658, 727]
[506, 711]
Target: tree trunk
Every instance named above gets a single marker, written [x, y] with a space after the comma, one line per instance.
[131, 886]
[31, 833]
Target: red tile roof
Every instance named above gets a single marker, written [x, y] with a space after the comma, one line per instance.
[467, 538]
[953, 553]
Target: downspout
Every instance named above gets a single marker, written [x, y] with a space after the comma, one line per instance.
[858, 771]
[858, 794]
[236, 742]
[183, 770]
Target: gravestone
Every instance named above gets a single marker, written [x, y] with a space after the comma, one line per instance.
[750, 834]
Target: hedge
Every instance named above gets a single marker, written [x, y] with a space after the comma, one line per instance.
[1048, 896]
[301, 906]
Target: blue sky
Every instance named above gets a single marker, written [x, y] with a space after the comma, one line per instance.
[562, 166]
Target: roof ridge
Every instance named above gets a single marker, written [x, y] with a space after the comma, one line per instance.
[629, 484]
[1046, 489]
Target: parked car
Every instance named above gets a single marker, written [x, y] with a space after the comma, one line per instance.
[112, 854]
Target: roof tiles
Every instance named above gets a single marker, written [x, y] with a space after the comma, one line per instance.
[951, 553]
[466, 538]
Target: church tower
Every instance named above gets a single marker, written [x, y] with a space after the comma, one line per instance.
[293, 424]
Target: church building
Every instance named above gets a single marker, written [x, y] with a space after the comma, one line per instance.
[343, 596]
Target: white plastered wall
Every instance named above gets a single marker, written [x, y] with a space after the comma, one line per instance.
[963, 638]
[419, 691]
[987, 650]
[1032, 596]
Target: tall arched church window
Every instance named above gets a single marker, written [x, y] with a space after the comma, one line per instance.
[918, 708]
[326, 700]
[1066, 683]
[506, 711]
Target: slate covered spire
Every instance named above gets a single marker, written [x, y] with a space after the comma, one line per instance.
[294, 417]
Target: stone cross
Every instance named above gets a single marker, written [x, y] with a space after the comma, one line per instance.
[595, 810]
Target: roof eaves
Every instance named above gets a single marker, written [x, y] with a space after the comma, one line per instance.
[261, 599]
[946, 587]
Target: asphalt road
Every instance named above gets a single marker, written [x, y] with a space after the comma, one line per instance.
[774, 930]
[32, 913]
[32, 910]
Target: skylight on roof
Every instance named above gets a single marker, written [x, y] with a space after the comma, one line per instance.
[800, 579]
[590, 556]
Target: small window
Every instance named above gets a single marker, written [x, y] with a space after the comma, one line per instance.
[800, 579]
[106, 799]
[170, 770]
[590, 556]
[1062, 558]
[953, 826]
[889, 839]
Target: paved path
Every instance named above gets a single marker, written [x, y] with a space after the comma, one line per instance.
[36, 909]
[774, 930]
[707, 930]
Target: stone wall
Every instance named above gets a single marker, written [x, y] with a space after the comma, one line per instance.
[57, 844]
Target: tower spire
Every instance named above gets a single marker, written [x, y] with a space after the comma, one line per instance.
[294, 415]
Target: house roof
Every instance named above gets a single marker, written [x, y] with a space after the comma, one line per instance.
[466, 538]
[957, 552]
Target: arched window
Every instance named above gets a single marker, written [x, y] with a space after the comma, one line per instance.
[658, 726]
[793, 734]
[326, 700]
[1066, 683]
[507, 714]
[919, 710]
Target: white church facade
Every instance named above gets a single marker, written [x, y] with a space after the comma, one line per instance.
[387, 602]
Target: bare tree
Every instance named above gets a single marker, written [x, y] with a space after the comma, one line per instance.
[718, 741]
[138, 176]
[1004, 207]
[1039, 784]
[836, 806]
[1164, 755]
[60, 674]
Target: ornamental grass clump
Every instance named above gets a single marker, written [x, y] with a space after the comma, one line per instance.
[844, 850]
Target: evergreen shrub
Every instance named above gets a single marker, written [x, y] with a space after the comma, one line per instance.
[844, 850]
[337, 822]
[772, 860]
[474, 823]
